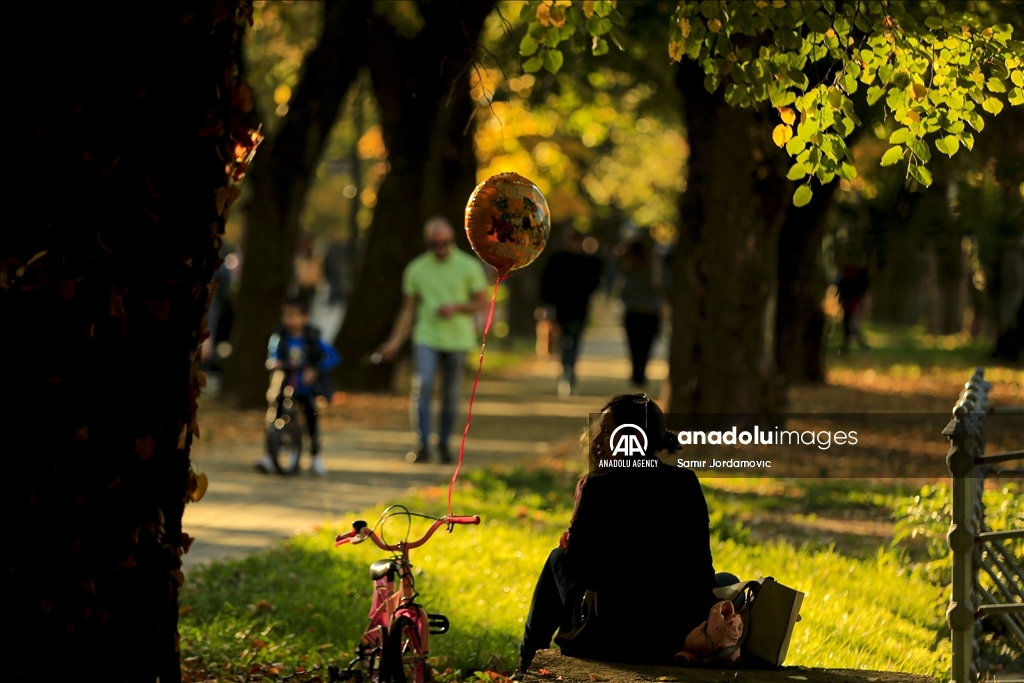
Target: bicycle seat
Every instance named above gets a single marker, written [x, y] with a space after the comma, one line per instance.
[382, 568]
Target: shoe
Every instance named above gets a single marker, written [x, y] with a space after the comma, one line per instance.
[266, 464]
[444, 456]
[419, 455]
[293, 463]
[564, 388]
[318, 467]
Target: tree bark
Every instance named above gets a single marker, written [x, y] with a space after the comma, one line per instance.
[422, 88]
[124, 144]
[721, 358]
[280, 181]
[799, 319]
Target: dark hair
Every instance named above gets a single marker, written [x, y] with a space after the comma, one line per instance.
[299, 303]
[640, 410]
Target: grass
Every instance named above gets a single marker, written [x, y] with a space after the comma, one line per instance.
[304, 603]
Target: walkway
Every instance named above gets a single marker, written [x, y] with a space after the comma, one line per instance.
[517, 413]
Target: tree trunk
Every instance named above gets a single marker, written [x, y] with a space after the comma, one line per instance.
[422, 88]
[725, 265]
[799, 319]
[280, 181]
[124, 143]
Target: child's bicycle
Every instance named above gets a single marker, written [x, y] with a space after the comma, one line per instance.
[284, 427]
[394, 647]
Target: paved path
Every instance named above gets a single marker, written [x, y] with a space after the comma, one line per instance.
[515, 415]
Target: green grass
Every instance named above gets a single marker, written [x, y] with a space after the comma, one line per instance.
[308, 599]
[895, 345]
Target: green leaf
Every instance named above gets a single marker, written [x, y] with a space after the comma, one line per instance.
[600, 46]
[995, 85]
[1018, 79]
[797, 171]
[528, 45]
[533, 64]
[527, 14]
[1016, 97]
[874, 94]
[598, 26]
[921, 174]
[802, 196]
[917, 146]
[949, 145]
[933, 22]
[553, 60]
[992, 105]
[892, 155]
[847, 171]
[900, 135]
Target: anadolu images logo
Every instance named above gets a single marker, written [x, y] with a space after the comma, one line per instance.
[628, 444]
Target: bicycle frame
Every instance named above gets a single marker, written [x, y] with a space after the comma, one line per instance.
[390, 602]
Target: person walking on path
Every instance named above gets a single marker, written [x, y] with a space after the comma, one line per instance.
[443, 289]
[642, 294]
[569, 279]
[851, 287]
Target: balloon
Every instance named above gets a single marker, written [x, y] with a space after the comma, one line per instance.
[507, 222]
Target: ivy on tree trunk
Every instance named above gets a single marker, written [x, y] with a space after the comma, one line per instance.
[127, 140]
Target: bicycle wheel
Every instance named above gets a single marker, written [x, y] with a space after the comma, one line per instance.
[407, 662]
[285, 445]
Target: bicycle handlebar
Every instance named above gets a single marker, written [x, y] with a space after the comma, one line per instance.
[360, 532]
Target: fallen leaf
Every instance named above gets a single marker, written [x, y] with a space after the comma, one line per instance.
[595, 677]
[799, 678]
[325, 646]
[544, 673]
[264, 605]
[667, 678]
[202, 483]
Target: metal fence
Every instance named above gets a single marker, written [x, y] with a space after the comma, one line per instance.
[988, 584]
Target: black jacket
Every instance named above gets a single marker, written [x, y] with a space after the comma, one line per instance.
[641, 539]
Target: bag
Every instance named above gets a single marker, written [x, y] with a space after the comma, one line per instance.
[769, 611]
[770, 621]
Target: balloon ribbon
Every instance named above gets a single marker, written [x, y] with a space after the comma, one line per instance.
[472, 396]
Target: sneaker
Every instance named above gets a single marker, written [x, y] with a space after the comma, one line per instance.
[419, 455]
[564, 388]
[318, 467]
[444, 456]
[293, 463]
[266, 464]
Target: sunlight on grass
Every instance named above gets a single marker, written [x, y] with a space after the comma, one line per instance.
[305, 602]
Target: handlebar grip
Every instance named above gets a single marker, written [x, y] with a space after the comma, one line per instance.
[342, 539]
[456, 519]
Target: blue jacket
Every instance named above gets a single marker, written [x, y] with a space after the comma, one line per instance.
[306, 351]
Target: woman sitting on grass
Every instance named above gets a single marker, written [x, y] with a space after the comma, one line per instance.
[640, 538]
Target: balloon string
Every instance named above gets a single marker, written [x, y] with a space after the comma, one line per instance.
[472, 396]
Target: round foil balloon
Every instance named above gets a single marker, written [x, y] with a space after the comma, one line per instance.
[508, 222]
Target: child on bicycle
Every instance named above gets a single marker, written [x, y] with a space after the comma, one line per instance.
[306, 359]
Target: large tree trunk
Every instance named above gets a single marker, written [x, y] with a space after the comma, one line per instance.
[280, 181]
[422, 92]
[124, 141]
[799, 318]
[725, 267]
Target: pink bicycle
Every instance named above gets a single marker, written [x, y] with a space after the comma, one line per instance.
[394, 647]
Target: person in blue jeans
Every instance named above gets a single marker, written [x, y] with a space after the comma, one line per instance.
[443, 289]
[298, 349]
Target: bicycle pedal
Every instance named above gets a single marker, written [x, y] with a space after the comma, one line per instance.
[438, 624]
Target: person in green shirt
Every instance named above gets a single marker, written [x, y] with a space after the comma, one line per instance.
[443, 288]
